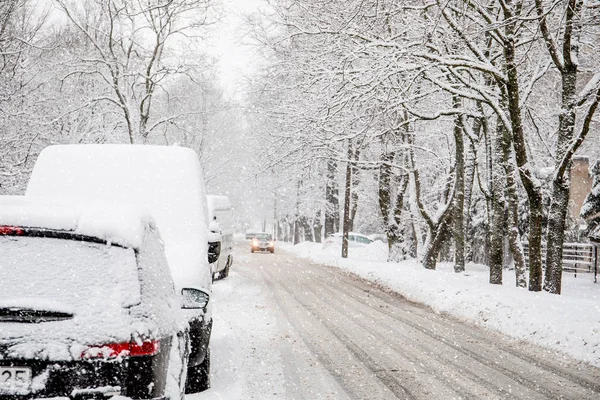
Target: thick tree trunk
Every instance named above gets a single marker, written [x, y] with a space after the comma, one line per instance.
[331, 200]
[513, 221]
[391, 209]
[530, 183]
[498, 218]
[433, 245]
[385, 199]
[555, 235]
[459, 195]
[512, 204]
[561, 184]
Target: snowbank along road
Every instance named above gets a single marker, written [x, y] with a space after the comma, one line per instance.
[289, 329]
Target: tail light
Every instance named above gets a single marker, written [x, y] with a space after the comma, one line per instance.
[11, 230]
[131, 349]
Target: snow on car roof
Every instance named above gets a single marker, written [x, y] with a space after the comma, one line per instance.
[165, 179]
[216, 202]
[115, 223]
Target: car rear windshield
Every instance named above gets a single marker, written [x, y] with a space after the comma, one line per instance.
[38, 272]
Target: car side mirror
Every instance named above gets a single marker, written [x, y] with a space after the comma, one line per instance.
[194, 298]
[214, 251]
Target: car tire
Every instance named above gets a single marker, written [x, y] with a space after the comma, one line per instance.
[251, 250]
[198, 377]
[272, 251]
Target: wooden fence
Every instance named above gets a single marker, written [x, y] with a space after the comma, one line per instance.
[577, 257]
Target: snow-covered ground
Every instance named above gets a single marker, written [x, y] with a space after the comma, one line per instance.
[244, 355]
[569, 323]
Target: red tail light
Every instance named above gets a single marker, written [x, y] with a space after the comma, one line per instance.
[11, 230]
[131, 349]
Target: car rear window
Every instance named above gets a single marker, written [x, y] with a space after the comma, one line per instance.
[80, 275]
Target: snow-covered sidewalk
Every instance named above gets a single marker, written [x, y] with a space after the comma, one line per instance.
[569, 323]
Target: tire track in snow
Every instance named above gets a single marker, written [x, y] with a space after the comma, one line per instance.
[352, 388]
[471, 349]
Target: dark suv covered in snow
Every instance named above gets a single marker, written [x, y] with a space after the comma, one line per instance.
[88, 308]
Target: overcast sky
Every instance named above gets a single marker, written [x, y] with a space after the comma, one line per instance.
[235, 58]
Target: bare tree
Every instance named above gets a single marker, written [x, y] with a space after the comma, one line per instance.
[128, 51]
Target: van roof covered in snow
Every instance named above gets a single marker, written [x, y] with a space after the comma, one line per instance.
[166, 180]
[216, 202]
[153, 176]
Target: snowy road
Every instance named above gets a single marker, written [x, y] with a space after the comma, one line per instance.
[289, 329]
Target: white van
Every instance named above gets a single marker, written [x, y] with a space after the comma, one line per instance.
[221, 218]
[168, 182]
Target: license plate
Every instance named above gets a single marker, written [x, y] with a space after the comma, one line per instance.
[15, 380]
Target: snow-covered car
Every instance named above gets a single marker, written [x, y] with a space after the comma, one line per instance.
[381, 237]
[354, 240]
[166, 180]
[88, 308]
[262, 241]
[221, 222]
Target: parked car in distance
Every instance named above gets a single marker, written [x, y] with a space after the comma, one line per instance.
[262, 242]
[88, 308]
[221, 223]
[354, 240]
[168, 181]
[382, 237]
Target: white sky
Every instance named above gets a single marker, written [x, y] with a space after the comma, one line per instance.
[235, 58]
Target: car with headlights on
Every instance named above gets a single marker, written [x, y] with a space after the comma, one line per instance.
[88, 309]
[262, 242]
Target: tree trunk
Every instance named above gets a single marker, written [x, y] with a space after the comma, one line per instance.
[530, 183]
[433, 245]
[498, 218]
[331, 200]
[513, 223]
[354, 192]
[470, 166]
[459, 197]
[555, 235]
[297, 223]
[317, 227]
[347, 192]
[391, 209]
[561, 185]
[433, 242]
